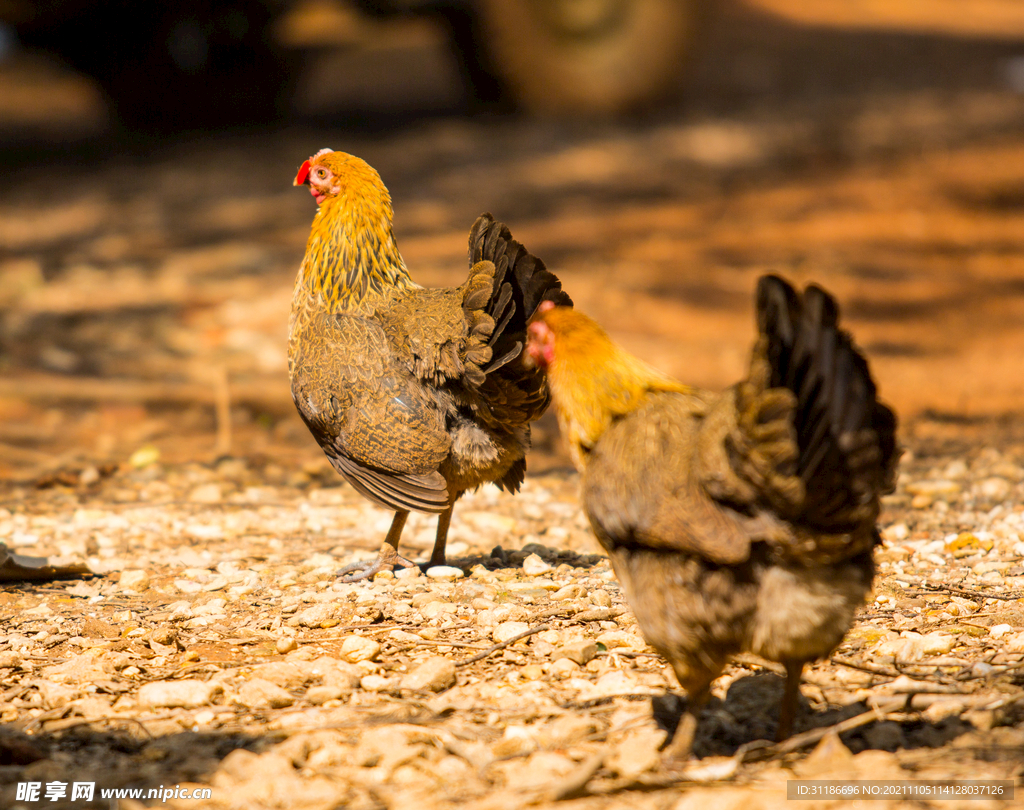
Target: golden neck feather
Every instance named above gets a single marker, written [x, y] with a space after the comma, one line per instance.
[601, 386]
[351, 258]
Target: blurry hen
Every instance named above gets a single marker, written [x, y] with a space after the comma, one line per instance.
[740, 521]
[416, 395]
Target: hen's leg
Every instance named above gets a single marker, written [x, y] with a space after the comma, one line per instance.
[444, 520]
[790, 699]
[681, 747]
[388, 558]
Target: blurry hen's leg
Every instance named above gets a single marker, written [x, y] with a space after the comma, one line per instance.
[680, 748]
[790, 699]
[387, 560]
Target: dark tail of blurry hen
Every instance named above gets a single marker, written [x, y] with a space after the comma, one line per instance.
[846, 437]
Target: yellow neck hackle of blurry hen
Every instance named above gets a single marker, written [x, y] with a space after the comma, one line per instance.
[352, 260]
[593, 380]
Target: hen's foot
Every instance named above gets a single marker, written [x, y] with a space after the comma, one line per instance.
[387, 560]
[680, 750]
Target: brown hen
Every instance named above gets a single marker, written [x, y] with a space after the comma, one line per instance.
[739, 521]
[416, 395]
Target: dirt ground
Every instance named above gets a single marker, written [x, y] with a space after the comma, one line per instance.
[146, 428]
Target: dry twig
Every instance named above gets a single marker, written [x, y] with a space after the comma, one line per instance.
[540, 628]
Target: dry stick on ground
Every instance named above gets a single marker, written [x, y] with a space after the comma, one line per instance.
[540, 628]
[874, 669]
[756, 750]
[966, 592]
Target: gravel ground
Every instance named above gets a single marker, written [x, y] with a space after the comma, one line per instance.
[146, 429]
[217, 648]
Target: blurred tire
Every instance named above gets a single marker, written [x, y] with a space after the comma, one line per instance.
[595, 57]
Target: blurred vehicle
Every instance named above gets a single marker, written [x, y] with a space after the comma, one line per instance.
[207, 62]
[558, 56]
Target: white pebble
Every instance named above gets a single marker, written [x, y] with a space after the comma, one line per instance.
[534, 566]
[507, 630]
[357, 648]
[445, 572]
[185, 694]
[435, 674]
[134, 580]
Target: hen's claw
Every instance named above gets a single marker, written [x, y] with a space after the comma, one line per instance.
[387, 560]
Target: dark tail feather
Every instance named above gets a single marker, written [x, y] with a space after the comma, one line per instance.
[846, 438]
[530, 281]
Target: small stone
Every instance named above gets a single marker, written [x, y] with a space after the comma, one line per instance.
[445, 572]
[943, 708]
[358, 648]
[1015, 643]
[334, 672]
[375, 683]
[410, 573]
[88, 476]
[134, 580]
[286, 674]
[435, 674]
[580, 652]
[829, 758]
[981, 719]
[571, 591]
[507, 630]
[318, 695]
[313, 616]
[534, 566]
[56, 695]
[567, 731]
[286, 644]
[935, 488]
[9, 660]
[144, 456]
[896, 533]
[532, 672]
[636, 752]
[967, 544]
[621, 638]
[993, 489]
[911, 647]
[260, 694]
[612, 684]
[517, 741]
[601, 598]
[999, 630]
[921, 501]
[564, 668]
[437, 608]
[187, 694]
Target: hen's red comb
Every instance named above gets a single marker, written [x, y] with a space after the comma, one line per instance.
[300, 178]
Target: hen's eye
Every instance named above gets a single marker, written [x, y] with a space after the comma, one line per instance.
[321, 173]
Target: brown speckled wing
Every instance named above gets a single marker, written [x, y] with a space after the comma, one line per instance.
[377, 423]
[421, 493]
